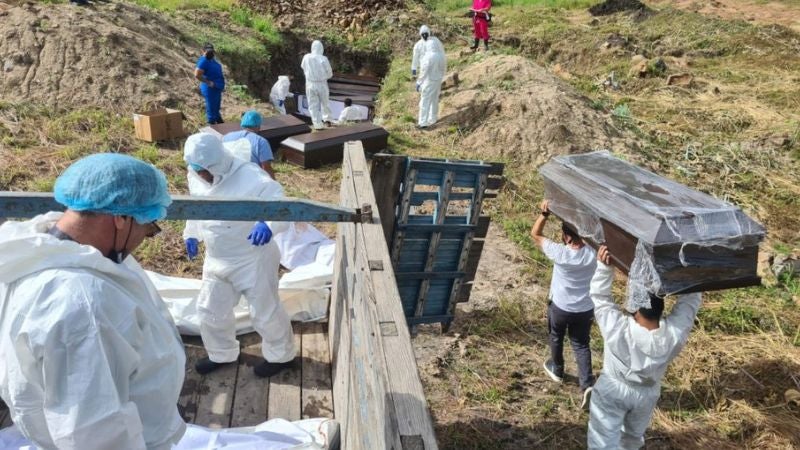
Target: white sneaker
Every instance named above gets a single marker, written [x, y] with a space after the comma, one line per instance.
[550, 370]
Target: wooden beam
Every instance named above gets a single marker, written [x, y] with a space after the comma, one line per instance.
[317, 400]
[387, 172]
[284, 388]
[405, 387]
[252, 392]
[184, 207]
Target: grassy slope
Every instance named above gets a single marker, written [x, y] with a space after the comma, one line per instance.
[723, 143]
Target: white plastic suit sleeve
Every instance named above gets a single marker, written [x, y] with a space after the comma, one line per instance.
[683, 314]
[416, 57]
[606, 312]
[85, 359]
[192, 230]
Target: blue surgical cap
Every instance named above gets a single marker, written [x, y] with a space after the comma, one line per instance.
[110, 183]
[251, 119]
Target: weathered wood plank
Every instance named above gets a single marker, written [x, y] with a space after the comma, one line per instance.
[405, 387]
[371, 422]
[252, 392]
[192, 384]
[184, 207]
[216, 397]
[284, 389]
[317, 399]
[387, 173]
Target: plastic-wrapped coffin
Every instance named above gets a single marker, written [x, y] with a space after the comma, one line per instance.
[667, 237]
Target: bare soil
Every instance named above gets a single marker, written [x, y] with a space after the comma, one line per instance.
[111, 55]
[786, 13]
[513, 109]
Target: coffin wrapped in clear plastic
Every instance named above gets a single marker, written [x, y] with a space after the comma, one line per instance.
[668, 238]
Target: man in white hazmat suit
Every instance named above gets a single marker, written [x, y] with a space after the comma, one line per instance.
[279, 92]
[317, 70]
[240, 259]
[90, 356]
[429, 83]
[419, 50]
[637, 351]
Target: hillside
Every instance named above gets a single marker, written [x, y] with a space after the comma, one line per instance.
[558, 80]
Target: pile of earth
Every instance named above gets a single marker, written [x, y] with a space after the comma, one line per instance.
[514, 108]
[112, 55]
[614, 6]
[343, 13]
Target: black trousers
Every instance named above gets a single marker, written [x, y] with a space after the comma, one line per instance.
[578, 326]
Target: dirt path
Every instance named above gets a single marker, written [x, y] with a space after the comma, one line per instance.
[786, 13]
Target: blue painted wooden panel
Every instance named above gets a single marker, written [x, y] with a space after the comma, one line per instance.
[414, 253]
[458, 166]
[29, 204]
[418, 198]
[461, 180]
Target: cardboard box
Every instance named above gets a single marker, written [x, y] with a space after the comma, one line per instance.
[159, 124]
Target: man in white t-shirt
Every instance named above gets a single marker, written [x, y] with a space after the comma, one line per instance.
[570, 309]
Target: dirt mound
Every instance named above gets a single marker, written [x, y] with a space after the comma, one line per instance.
[615, 6]
[516, 109]
[344, 13]
[111, 55]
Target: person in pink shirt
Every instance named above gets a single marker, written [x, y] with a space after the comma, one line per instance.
[480, 22]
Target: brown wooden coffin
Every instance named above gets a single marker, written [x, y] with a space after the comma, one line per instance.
[325, 147]
[692, 241]
[274, 129]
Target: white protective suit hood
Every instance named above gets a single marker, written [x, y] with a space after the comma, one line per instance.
[424, 29]
[60, 294]
[316, 66]
[317, 48]
[280, 89]
[207, 151]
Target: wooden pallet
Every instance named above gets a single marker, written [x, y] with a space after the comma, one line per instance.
[438, 231]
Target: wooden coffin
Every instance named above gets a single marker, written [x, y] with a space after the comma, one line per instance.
[681, 239]
[325, 147]
[274, 129]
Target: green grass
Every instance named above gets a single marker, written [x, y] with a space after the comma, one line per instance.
[262, 24]
[454, 5]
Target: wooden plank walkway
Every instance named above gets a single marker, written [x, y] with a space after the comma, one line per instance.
[235, 397]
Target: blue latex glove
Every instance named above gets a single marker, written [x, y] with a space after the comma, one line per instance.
[280, 102]
[191, 248]
[417, 87]
[260, 234]
[413, 73]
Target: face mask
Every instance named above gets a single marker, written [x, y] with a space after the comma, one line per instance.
[209, 55]
[118, 256]
[424, 36]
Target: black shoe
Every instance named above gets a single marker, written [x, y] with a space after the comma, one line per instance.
[205, 365]
[550, 370]
[587, 398]
[268, 369]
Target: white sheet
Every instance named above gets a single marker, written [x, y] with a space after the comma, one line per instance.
[275, 434]
[304, 291]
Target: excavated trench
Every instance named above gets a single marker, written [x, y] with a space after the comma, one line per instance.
[285, 59]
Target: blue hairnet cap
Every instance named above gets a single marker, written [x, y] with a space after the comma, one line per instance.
[110, 183]
[251, 119]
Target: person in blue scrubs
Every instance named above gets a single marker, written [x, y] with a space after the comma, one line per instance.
[212, 83]
[260, 150]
